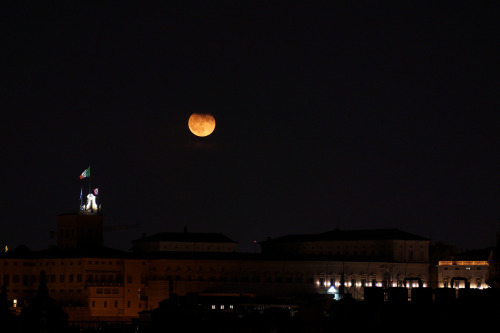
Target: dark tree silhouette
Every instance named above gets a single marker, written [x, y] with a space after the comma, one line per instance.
[8, 321]
[42, 314]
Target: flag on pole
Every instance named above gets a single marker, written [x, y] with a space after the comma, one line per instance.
[85, 173]
[96, 191]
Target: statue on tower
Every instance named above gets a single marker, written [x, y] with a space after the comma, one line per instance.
[91, 205]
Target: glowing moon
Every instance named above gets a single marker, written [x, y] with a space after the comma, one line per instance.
[201, 124]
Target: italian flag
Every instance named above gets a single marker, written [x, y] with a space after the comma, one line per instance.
[85, 173]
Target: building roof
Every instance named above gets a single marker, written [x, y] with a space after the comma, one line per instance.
[23, 252]
[473, 255]
[197, 237]
[339, 235]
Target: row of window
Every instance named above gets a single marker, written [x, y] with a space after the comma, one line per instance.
[364, 282]
[62, 263]
[63, 290]
[364, 246]
[465, 268]
[52, 291]
[107, 291]
[253, 278]
[70, 233]
[29, 280]
[472, 282]
[114, 304]
[188, 246]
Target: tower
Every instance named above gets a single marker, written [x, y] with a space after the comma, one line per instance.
[79, 231]
[84, 229]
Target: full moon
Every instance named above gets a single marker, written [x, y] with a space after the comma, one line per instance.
[201, 124]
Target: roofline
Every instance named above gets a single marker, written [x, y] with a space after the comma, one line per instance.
[150, 238]
[327, 236]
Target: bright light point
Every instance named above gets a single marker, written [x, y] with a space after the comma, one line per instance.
[331, 290]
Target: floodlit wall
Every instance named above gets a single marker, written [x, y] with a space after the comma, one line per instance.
[123, 287]
[463, 274]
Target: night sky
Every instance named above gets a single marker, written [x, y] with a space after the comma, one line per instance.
[329, 115]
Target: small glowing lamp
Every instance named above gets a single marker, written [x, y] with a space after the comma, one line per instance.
[331, 290]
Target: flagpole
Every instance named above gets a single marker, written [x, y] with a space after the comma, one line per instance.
[90, 173]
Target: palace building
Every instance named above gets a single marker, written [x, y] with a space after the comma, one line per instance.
[99, 283]
[92, 282]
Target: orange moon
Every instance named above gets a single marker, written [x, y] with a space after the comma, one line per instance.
[201, 124]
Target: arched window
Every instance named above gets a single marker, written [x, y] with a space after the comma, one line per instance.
[387, 280]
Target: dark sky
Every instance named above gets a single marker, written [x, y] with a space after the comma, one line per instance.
[329, 115]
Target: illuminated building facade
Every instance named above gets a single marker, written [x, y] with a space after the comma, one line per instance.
[465, 270]
[463, 274]
[99, 283]
[87, 286]
[117, 285]
[92, 282]
[494, 262]
[389, 245]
